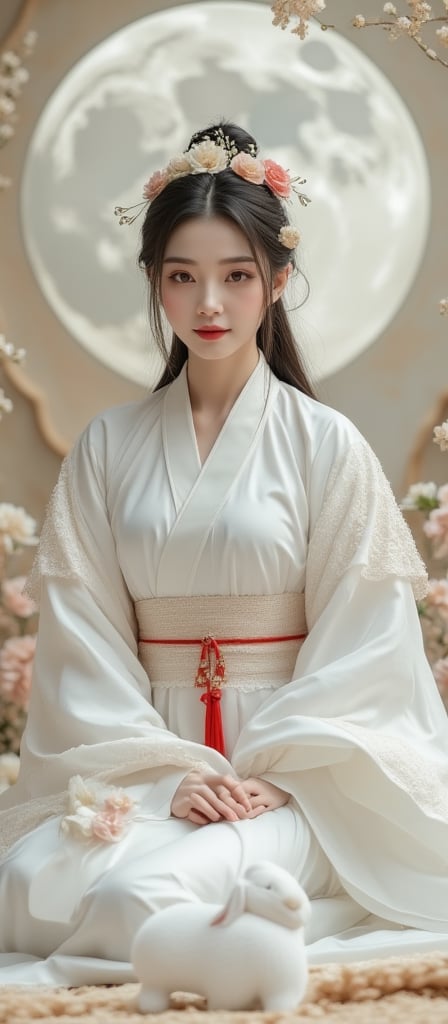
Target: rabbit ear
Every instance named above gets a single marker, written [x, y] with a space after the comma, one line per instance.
[235, 905]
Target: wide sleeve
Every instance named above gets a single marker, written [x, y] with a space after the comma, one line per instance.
[359, 737]
[90, 711]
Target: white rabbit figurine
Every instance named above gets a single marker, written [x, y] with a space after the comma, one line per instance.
[258, 959]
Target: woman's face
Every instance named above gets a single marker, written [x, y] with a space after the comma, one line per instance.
[211, 288]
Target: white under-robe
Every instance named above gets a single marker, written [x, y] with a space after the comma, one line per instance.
[290, 499]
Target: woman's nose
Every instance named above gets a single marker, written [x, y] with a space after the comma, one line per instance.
[210, 303]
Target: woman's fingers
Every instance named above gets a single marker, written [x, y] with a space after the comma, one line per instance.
[209, 803]
[197, 818]
[237, 791]
[256, 811]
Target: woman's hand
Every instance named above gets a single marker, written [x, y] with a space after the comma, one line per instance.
[263, 796]
[203, 797]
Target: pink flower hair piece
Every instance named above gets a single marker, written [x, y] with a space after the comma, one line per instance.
[277, 179]
[248, 167]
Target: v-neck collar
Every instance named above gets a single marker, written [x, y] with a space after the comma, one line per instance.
[200, 491]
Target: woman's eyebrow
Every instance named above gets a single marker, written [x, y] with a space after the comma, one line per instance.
[229, 259]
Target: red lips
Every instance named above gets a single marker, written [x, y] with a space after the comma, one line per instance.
[211, 332]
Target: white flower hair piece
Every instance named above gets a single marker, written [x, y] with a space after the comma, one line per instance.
[211, 156]
[289, 236]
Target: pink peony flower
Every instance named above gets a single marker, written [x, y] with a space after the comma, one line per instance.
[108, 826]
[277, 179]
[248, 167]
[156, 184]
[436, 528]
[16, 665]
[14, 600]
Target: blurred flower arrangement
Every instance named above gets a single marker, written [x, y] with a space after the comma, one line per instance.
[432, 501]
[18, 616]
[13, 77]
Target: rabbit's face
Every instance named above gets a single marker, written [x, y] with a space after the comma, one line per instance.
[273, 893]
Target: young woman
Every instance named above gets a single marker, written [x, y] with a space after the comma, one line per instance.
[229, 661]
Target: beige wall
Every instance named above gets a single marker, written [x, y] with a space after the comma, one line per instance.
[389, 390]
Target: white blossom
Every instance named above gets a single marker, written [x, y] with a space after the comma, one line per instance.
[441, 436]
[6, 132]
[17, 528]
[10, 59]
[421, 495]
[30, 40]
[302, 10]
[9, 770]
[442, 34]
[7, 106]
[5, 403]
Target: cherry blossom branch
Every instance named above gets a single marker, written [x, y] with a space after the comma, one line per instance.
[420, 14]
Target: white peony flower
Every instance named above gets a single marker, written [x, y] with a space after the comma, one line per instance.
[207, 157]
[17, 528]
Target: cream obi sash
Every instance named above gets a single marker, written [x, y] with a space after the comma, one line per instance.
[257, 636]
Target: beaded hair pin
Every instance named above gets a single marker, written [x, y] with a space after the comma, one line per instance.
[218, 154]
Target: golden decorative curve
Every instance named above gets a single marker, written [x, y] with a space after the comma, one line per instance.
[33, 394]
[437, 414]
[20, 25]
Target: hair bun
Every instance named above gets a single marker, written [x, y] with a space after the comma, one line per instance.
[226, 130]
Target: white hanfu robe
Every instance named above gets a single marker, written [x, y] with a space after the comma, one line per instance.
[291, 499]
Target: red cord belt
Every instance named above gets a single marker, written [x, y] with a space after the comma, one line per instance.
[211, 675]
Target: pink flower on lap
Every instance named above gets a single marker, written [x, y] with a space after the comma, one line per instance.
[16, 666]
[108, 826]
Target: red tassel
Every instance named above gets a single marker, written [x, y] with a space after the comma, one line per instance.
[214, 732]
[212, 679]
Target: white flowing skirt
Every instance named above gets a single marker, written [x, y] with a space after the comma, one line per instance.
[156, 864]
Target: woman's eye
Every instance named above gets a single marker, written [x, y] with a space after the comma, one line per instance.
[238, 275]
[181, 276]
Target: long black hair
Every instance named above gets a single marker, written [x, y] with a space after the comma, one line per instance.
[260, 215]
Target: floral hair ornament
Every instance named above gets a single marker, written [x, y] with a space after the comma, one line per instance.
[212, 157]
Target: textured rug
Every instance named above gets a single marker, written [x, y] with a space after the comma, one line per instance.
[411, 990]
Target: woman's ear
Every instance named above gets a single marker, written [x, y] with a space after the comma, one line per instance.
[280, 281]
